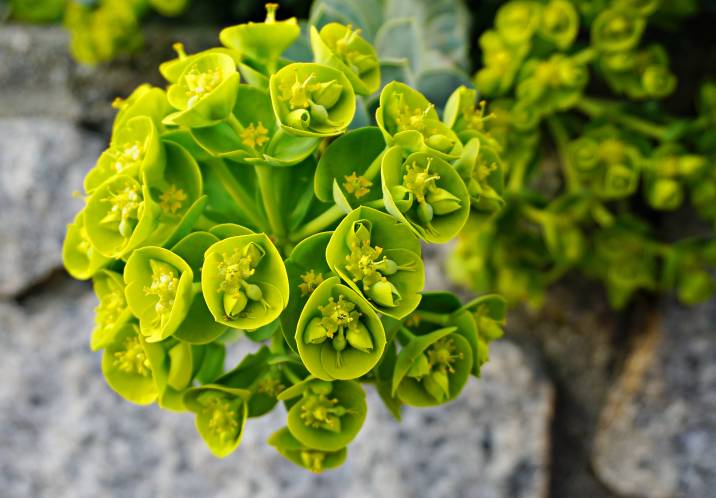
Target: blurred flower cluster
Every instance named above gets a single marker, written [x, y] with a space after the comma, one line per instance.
[594, 164]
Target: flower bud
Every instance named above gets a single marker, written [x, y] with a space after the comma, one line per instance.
[235, 303]
[315, 333]
[384, 293]
[665, 193]
[386, 266]
[323, 387]
[437, 384]
[425, 213]
[253, 292]
[339, 341]
[440, 142]
[359, 338]
[299, 118]
[328, 94]
[695, 286]
[442, 201]
[420, 367]
[318, 113]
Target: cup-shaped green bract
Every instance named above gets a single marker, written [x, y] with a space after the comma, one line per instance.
[159, 290]
[112, 311]
[264, 42]
[489, 314]
[177, 190]
[379, 257]
[342, 47]
[502, 62]
[426, 193]
[312, 100]
[199, 326]
[439, 309]
[307, 268]
[126, 366]
[348, 169]
[606, 163]
[81, 259]
[462, 114]
[205, 93]
[517, 21]
[559, 23]
[174, 366]
[482, 170]
[134, 146]
[408, 119]
[120, 216]
[244, 281]
[329, 415]
[554, 84]
[221, 413]
[253, 136]
[617, 30]
[339, 335]
[145, 100]
[433, 368]
[172, 70]
[309, 458]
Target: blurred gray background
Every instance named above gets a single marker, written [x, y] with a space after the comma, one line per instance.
[577, 402]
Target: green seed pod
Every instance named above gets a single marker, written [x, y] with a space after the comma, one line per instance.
[309, 458]
[244, 266]
[300, 87]
[357, 250]
[221, 413]
[335, 310]
[665, 194]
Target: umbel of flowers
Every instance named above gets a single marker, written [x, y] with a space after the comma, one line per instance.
[238, 203]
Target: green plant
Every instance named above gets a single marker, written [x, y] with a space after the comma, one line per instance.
[239, 203]
[589, 179]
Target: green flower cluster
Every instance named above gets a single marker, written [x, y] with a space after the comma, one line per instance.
[589, 179]
[99, 30]
[240, 203]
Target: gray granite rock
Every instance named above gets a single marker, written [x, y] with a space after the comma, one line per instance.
[35, 73]
[657, 436]
[42, 162]
[64, 434]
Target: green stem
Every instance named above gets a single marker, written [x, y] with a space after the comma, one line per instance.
[517, 176]
[436, 318]
[612, 111]
[263, 173]
[561, 139]
[290, 375]
[237, 192]
[277, 342]
[318, 224]
[407, 334]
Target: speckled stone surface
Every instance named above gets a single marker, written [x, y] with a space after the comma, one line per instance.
[64, 434]
[42, 162]
[658, 429]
